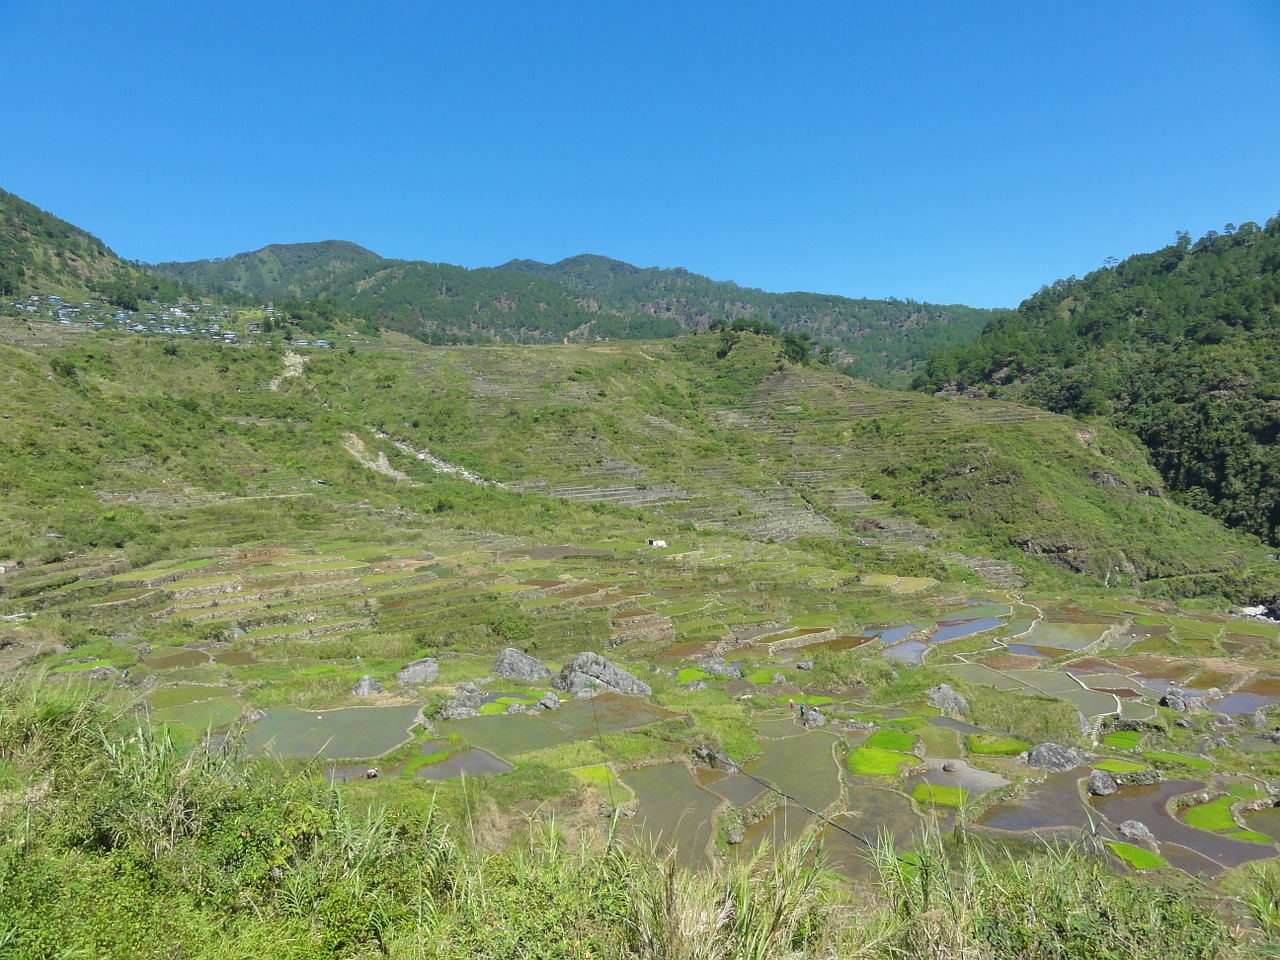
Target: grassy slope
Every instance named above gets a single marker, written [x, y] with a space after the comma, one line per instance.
[667, 431]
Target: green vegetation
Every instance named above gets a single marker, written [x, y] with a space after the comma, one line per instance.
[1140, 858]
[1214, 816]
[1177, 347]
[1176, 760]
[1122, 739]
[939, 796]
[877, 762]
[994, 745]
[1114, 765]
[892, 740]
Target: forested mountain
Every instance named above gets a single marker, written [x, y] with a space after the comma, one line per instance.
[41, 253]
[878, 340]
[432, 302]
[1178, 346]
[585, 297]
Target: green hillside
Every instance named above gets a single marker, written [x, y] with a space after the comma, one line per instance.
[1177, 347]
[40, 253]
[883, 341]
[716, 432]
[585, 298]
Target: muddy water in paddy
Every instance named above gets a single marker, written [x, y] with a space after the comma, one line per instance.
[672, 811]
[1052, 805]
[955, 629]
[1266, 822]
[333, 734]
[176, 659]
[784, 825]
[802, 767]
[235, 658]
[975, 781]
[474, 763]
[507, 734]
[734, 787]
[606, 713]
[1148, 804]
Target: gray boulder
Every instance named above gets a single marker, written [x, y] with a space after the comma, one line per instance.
[468, 695]
[464, 703]
[778, 678]
[1102, 784]
[590, 671]
[366, 686]
[452, 710]
[804, 664]
[1134, 830]
[549, 701]
[947, 701]
[716, 667]
[1174, 699]
[813, 718]
[1055, 758]
[515, 665]
[950, 766]
[695, 685]
[734, 834]
[1259, 720]
[857, 726]
[425, 670]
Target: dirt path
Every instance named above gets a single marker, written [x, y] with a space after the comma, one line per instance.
[293, 363]
[355, 446]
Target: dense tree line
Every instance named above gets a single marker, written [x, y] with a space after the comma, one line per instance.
[1177, 346]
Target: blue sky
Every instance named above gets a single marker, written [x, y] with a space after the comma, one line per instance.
[943, 151]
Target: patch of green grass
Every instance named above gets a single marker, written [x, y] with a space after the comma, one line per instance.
[1115, 765]
[1249, 836]
[875, 762]
[499, 706]
[564, 756]
[1140, 858]
[761, 674]
[906, 724]
[1177, 759]
[598, 775]
[1214, 816]
[891, 740]
[994, 745]
[1122, 739]
[689, 674]
[1246, 791]
[939, 796]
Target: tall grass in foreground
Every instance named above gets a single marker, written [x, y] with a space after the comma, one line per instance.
[134, 850]
[1058, 904]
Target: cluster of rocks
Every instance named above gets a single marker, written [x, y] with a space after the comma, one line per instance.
[512, 664]
[590, 672]
[946, 701]
[1055, 758]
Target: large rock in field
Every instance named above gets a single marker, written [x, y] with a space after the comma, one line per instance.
[549, 701]
[1055, 758]
[1102, 784]
[515, 665]
[947, 701]
[464, 703]
[425, 670]
[590, 671]
[1175, 699]
[813, 718]
[1134, 830]
[366, 686]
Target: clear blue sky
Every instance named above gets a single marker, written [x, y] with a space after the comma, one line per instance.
[944, 151]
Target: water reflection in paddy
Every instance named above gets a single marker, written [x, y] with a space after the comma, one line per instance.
[507, 734]
[784, 825]
[672, 811]
[909, 651]
[1266, 822]
[1052, 805]
[605, 713]
[333, 734]
[801, 767]
[734, 787]
[474, 763]
[1149, 804]
[176, 659]
[954, 629]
